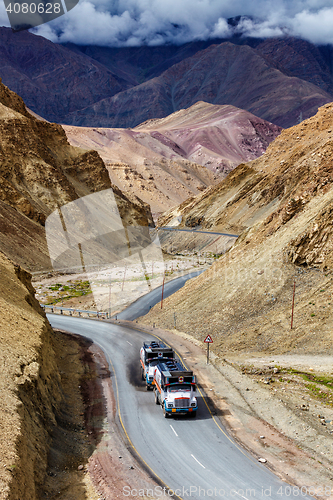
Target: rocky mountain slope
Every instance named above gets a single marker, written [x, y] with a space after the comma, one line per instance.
[39, 172]
[299, 58]
[281, 205]
[69, 84]
[169, 160]
[42, 408]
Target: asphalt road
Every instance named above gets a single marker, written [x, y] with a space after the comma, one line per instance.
[195, 458]
[166, 228]
[143, 304]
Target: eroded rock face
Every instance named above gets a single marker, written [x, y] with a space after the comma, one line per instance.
[314, 247]
[31, 392]
[37, 165]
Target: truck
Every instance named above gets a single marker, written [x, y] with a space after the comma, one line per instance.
[152, 353]
[175, 389]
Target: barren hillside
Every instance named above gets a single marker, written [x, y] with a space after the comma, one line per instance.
[30, 386]
[168, 160]
[282, 205]
[39, 172]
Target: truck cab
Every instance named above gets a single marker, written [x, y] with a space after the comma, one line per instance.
[175, 389]
[151, 354]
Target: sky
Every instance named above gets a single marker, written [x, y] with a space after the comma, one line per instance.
[118, 23]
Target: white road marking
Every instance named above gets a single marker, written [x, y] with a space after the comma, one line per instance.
[198, 461]
[128, 342]
[173, 430]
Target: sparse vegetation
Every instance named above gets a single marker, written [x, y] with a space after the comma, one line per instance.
[66, 292]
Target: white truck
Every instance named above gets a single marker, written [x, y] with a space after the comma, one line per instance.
[175, 389]
[152, 353]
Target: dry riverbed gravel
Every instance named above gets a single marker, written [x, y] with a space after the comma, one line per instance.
[94, 291]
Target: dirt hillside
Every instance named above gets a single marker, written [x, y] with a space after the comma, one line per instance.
[40, 171]
[30, 386]
[281, 205]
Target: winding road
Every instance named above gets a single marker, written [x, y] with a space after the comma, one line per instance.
[194, 231]
[193, 458]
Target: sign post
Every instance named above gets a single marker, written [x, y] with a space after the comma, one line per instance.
[208, 340]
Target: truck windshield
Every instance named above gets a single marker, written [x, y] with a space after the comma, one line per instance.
[179, 387]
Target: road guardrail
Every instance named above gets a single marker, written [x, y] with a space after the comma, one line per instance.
[71, 311]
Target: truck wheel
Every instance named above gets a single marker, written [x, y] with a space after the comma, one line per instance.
[142, 374]
[157, 402]
[193, 414]
[165, 413]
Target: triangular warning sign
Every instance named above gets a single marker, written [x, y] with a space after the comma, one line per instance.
[208, 339]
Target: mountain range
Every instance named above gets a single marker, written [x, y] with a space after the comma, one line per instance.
[282, 80]
[165, 161]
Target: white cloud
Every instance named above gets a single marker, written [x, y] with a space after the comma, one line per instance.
[221, 29]
[316, 26]
[154, 22]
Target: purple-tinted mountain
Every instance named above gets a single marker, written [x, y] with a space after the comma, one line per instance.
[221, 74]
[52, 79]
[299, 58]
[139, 64]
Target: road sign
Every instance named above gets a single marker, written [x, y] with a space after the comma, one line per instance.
[208, 340]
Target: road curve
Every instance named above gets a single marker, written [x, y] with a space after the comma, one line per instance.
[143, 304]
[195, 458]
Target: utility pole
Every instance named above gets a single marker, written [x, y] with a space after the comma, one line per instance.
[122, 288]
[162, 290]
[292, 307]
[110, 298]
